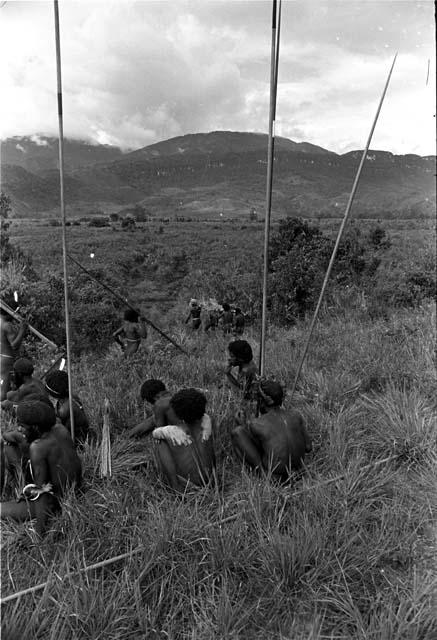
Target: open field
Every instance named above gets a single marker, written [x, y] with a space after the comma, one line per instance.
[354, 558]
[208, 243]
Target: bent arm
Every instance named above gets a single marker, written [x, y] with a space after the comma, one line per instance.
[143, 428]
[15, 339]
[142, 329]
[306, 436]
[232, 379]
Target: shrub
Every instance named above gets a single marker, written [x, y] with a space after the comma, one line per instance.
[98, 221]
[128, 224]
[300, 255]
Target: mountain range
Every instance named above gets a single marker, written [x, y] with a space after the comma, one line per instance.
[208, 174]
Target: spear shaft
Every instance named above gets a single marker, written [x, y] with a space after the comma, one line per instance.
[340, 231]
[274, 60]
[63, 216]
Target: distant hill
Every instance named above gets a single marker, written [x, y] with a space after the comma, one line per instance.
[223, 172]
[40, 153]
[217, 143]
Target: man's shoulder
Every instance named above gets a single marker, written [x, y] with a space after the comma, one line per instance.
[163, 402]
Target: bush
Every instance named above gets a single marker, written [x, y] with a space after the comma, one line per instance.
[93, 314]
[98, 222]
[128, 224]
[300, 254]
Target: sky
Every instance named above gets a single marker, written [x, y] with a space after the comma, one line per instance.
[135, 73]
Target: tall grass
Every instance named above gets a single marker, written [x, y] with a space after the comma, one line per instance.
[250, 558]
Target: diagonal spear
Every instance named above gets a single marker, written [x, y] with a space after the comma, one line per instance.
[340, 231]
[126, 302]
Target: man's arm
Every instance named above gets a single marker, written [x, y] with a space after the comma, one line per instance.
[15, 339]
[143, 428]
[142, 329]
[116, 335]
[40, 472]
[306, 436]
[232, 379]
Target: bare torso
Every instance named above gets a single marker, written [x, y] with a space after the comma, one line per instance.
[283, 439]
[54, 459]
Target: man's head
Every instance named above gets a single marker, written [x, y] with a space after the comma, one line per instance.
[189, 405]
[36, 414]
[23, 369]
[151, 390]
[271, 395]
[194, 302]
[130, 315]
[226, 307]
[57, 384]
[237, 310]
[240, 352]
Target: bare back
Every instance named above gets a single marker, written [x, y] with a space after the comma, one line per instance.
[283, 439]
[54, 459]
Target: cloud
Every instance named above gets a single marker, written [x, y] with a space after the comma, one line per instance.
[135, 73]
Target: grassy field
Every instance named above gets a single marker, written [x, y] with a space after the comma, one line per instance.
[347, 551]
[353, 558]
[202, 244]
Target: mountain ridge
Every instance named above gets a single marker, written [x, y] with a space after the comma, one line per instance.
[195, 174]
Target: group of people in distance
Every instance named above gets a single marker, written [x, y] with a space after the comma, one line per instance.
[214, 316]
[38, 445]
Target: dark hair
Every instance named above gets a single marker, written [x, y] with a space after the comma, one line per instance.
[57, 384]
[226, 307]
[189, 405]
[23, 366]
[150, 389]
[273, 390]
[130, 315]
[242, 350]
[36, 413]
[237, 310]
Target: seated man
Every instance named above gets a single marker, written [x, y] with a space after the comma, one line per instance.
[26, 386]
[185, 450]
[155, 393]
[241, 356]
[276, 441]
[57, 387]
[54, 466]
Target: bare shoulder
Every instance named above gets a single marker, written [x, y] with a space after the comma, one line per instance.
[163, 403]
[40, 447]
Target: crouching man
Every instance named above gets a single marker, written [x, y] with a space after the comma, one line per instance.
[277, 441]
[53, 466]
[185, 450]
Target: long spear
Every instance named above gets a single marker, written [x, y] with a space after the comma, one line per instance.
[270, 155]
[340, 231]
[126, 302]
[64, 234]
[18, 318]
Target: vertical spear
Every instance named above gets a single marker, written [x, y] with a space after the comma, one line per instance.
[64, 234]
[270, 154]
[340, 231]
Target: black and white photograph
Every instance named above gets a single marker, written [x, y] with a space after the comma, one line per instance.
[218, 370]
